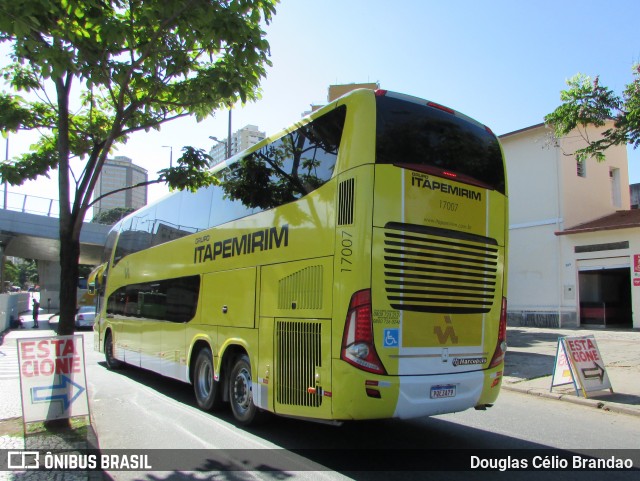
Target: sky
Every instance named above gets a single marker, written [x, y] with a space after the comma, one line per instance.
[501, 62]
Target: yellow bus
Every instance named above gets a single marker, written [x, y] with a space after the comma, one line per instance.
[350, 267]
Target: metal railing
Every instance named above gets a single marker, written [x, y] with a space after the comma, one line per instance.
[29, 204]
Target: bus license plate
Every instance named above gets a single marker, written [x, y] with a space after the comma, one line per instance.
[438, 392]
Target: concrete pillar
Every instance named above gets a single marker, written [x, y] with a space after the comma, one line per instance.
[2, 261]
[49, 273]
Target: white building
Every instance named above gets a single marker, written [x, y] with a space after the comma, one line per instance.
[240, 140]
[574, 252]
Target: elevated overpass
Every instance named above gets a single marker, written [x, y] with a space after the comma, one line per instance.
[29, 228]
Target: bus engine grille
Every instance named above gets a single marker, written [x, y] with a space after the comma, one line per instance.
[298, 354]
[438, 270]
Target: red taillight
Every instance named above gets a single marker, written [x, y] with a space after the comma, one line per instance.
[451, 175]
[441, 107]
[501, 345]
[358, 348]
[381, 93]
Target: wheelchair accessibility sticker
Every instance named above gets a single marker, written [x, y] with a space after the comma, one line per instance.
[391, 337]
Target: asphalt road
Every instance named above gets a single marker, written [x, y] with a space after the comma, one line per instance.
[135, 409]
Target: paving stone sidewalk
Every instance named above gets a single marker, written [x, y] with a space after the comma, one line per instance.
[531, 356]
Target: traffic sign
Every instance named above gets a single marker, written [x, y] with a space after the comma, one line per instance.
[578, 360]
[52, 378]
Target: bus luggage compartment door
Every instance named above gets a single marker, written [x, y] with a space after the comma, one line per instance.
[302, 373]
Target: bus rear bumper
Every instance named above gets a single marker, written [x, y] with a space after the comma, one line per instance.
[370, 396]
[430, 395]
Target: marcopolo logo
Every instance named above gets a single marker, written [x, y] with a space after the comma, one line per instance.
[469, 361]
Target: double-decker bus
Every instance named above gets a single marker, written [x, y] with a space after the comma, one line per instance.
[350, 267]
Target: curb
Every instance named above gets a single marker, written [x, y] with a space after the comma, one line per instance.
[593, 403]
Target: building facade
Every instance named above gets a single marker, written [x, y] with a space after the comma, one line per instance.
[118, 173]
[574, 254]
[240, 140]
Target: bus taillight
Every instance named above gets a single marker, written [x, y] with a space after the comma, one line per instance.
[501, 345]
[358, 348]
[441, 107]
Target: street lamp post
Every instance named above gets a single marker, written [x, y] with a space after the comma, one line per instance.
[229, 136]
[6, 184]
[170, 154]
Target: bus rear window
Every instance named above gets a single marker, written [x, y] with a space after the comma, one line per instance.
[416, 134]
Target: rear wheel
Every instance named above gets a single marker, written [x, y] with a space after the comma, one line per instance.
[241, 391]
[112, 362]
[205, 387]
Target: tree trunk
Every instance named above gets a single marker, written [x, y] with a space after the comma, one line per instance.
[69, 273]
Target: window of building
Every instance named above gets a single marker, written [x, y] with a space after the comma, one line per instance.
[616, 195]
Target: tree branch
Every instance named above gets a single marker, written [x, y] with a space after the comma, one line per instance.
[122, 189]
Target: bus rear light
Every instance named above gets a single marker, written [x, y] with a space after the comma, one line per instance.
[441, 107]
[357, 341]
[381, 93]
[451, 175]
[501, 345]
[374, 393]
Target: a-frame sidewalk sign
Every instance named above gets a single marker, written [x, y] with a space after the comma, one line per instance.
[578, 362]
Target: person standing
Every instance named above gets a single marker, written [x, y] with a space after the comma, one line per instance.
[36, 307]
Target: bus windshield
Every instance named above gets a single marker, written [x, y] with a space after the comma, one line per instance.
[416, 134]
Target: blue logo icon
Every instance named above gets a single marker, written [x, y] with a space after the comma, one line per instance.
[391, 337]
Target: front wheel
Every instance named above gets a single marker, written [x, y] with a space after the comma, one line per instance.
[204, 386]
[112, 362]
[241, 391]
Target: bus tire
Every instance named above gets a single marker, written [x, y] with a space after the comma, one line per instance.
[205, 387]
[241, 392]
[112, 362]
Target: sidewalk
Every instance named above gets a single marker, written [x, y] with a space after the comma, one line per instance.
[531, 355]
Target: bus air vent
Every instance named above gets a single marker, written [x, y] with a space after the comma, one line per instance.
[302, 289]
[298, 355]
[346, 191]
[439, 270]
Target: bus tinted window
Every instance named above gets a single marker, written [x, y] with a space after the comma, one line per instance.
[413, 133]
[280, 172]
[290, 167]
[172, 300]
[109, 243]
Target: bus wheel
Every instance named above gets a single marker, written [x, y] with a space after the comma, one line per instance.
[240, 391]
[204, 386]
[112, 362]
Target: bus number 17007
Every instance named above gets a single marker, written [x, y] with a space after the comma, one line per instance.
[346, 251]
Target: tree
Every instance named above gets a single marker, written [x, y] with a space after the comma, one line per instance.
[111, 216]
[98, 71]
[586, 102]
[21, 272]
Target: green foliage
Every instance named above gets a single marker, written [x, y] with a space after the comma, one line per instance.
[191, 171]
[586, 102]
[22, 272]
[111, 216]
[94, 72]
[135, 65]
